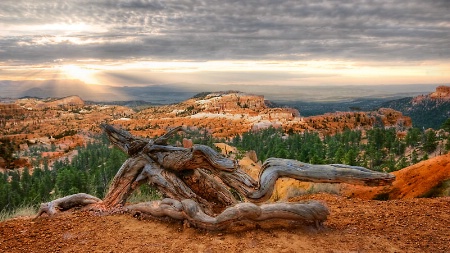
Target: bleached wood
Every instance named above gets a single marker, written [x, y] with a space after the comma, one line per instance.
[189, 210]
[66, 203]
[274, 168]
[206, 188]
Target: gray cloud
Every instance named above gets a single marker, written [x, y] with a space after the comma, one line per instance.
[378, 30]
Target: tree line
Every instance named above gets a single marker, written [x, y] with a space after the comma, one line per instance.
[380, 149]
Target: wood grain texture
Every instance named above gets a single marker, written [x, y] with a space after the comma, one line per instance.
[66, 203]
[207, 189]
[312, 211]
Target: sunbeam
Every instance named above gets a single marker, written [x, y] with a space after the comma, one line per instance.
[78, 72]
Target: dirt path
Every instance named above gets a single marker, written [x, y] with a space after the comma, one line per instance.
[416, 225]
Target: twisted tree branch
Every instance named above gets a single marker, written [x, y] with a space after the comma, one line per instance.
[199, 183]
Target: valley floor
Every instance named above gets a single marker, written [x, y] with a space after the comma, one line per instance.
[354, 225]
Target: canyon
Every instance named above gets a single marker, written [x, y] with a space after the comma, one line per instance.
[359, 220]
[60, 125]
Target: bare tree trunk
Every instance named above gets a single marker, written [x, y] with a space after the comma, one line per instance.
[123, 183]
[206, 188]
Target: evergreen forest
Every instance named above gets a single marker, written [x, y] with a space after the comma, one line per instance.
[90, 171]
[378, 149]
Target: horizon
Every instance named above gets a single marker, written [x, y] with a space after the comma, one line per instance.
[284, 43]
[174, 93]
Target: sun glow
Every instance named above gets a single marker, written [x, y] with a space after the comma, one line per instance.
[282, 72]
[82, 73]
[142, 72]
[57, 29]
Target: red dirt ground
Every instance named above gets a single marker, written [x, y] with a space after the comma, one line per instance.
[354, 225]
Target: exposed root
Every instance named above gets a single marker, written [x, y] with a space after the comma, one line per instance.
[200, 184]
[68, 202]
[189, 211]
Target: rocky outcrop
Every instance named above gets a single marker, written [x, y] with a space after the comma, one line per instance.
[10, 110]
[425, 179]
[224, 114]
[71, 101]
[392, 118]
[230, 113]
[332, 123]
[229, 102]
[442, 92]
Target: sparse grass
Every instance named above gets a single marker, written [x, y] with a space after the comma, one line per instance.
[440, 190]
[294, 192]
[324, 187]
[144, 193]
[314, 188]
[23, 211]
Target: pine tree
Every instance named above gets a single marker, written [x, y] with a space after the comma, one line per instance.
[414, 157]
[446, 125]
[350, 157]
[413, 137]
[447, 143]
[429, 141]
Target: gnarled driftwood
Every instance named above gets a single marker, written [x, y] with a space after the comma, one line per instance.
[66, 203]
[198, 183]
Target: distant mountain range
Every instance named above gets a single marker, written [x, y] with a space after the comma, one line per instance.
[174, 93]
[157, 94]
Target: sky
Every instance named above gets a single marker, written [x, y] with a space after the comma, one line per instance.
[282, 42]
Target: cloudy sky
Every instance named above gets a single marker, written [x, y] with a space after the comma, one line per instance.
[282, 42]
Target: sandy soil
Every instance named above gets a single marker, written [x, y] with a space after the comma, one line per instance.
[412, 225]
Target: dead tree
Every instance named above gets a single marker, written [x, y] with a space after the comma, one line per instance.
[207, 189]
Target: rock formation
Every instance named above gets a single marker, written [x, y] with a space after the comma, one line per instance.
[221, 114]
[426, 178]
[442, 92]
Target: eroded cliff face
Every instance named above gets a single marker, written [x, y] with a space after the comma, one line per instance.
[224, 114]
[231, 113]
[63, 122]
[234, 101]
[442, 92]
[59, 125]
[426, 178]
[332, 123]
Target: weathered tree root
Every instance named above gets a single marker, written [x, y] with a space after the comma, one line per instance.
[189, 210]
[68, 202]
[274, 168]
[205, 188]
